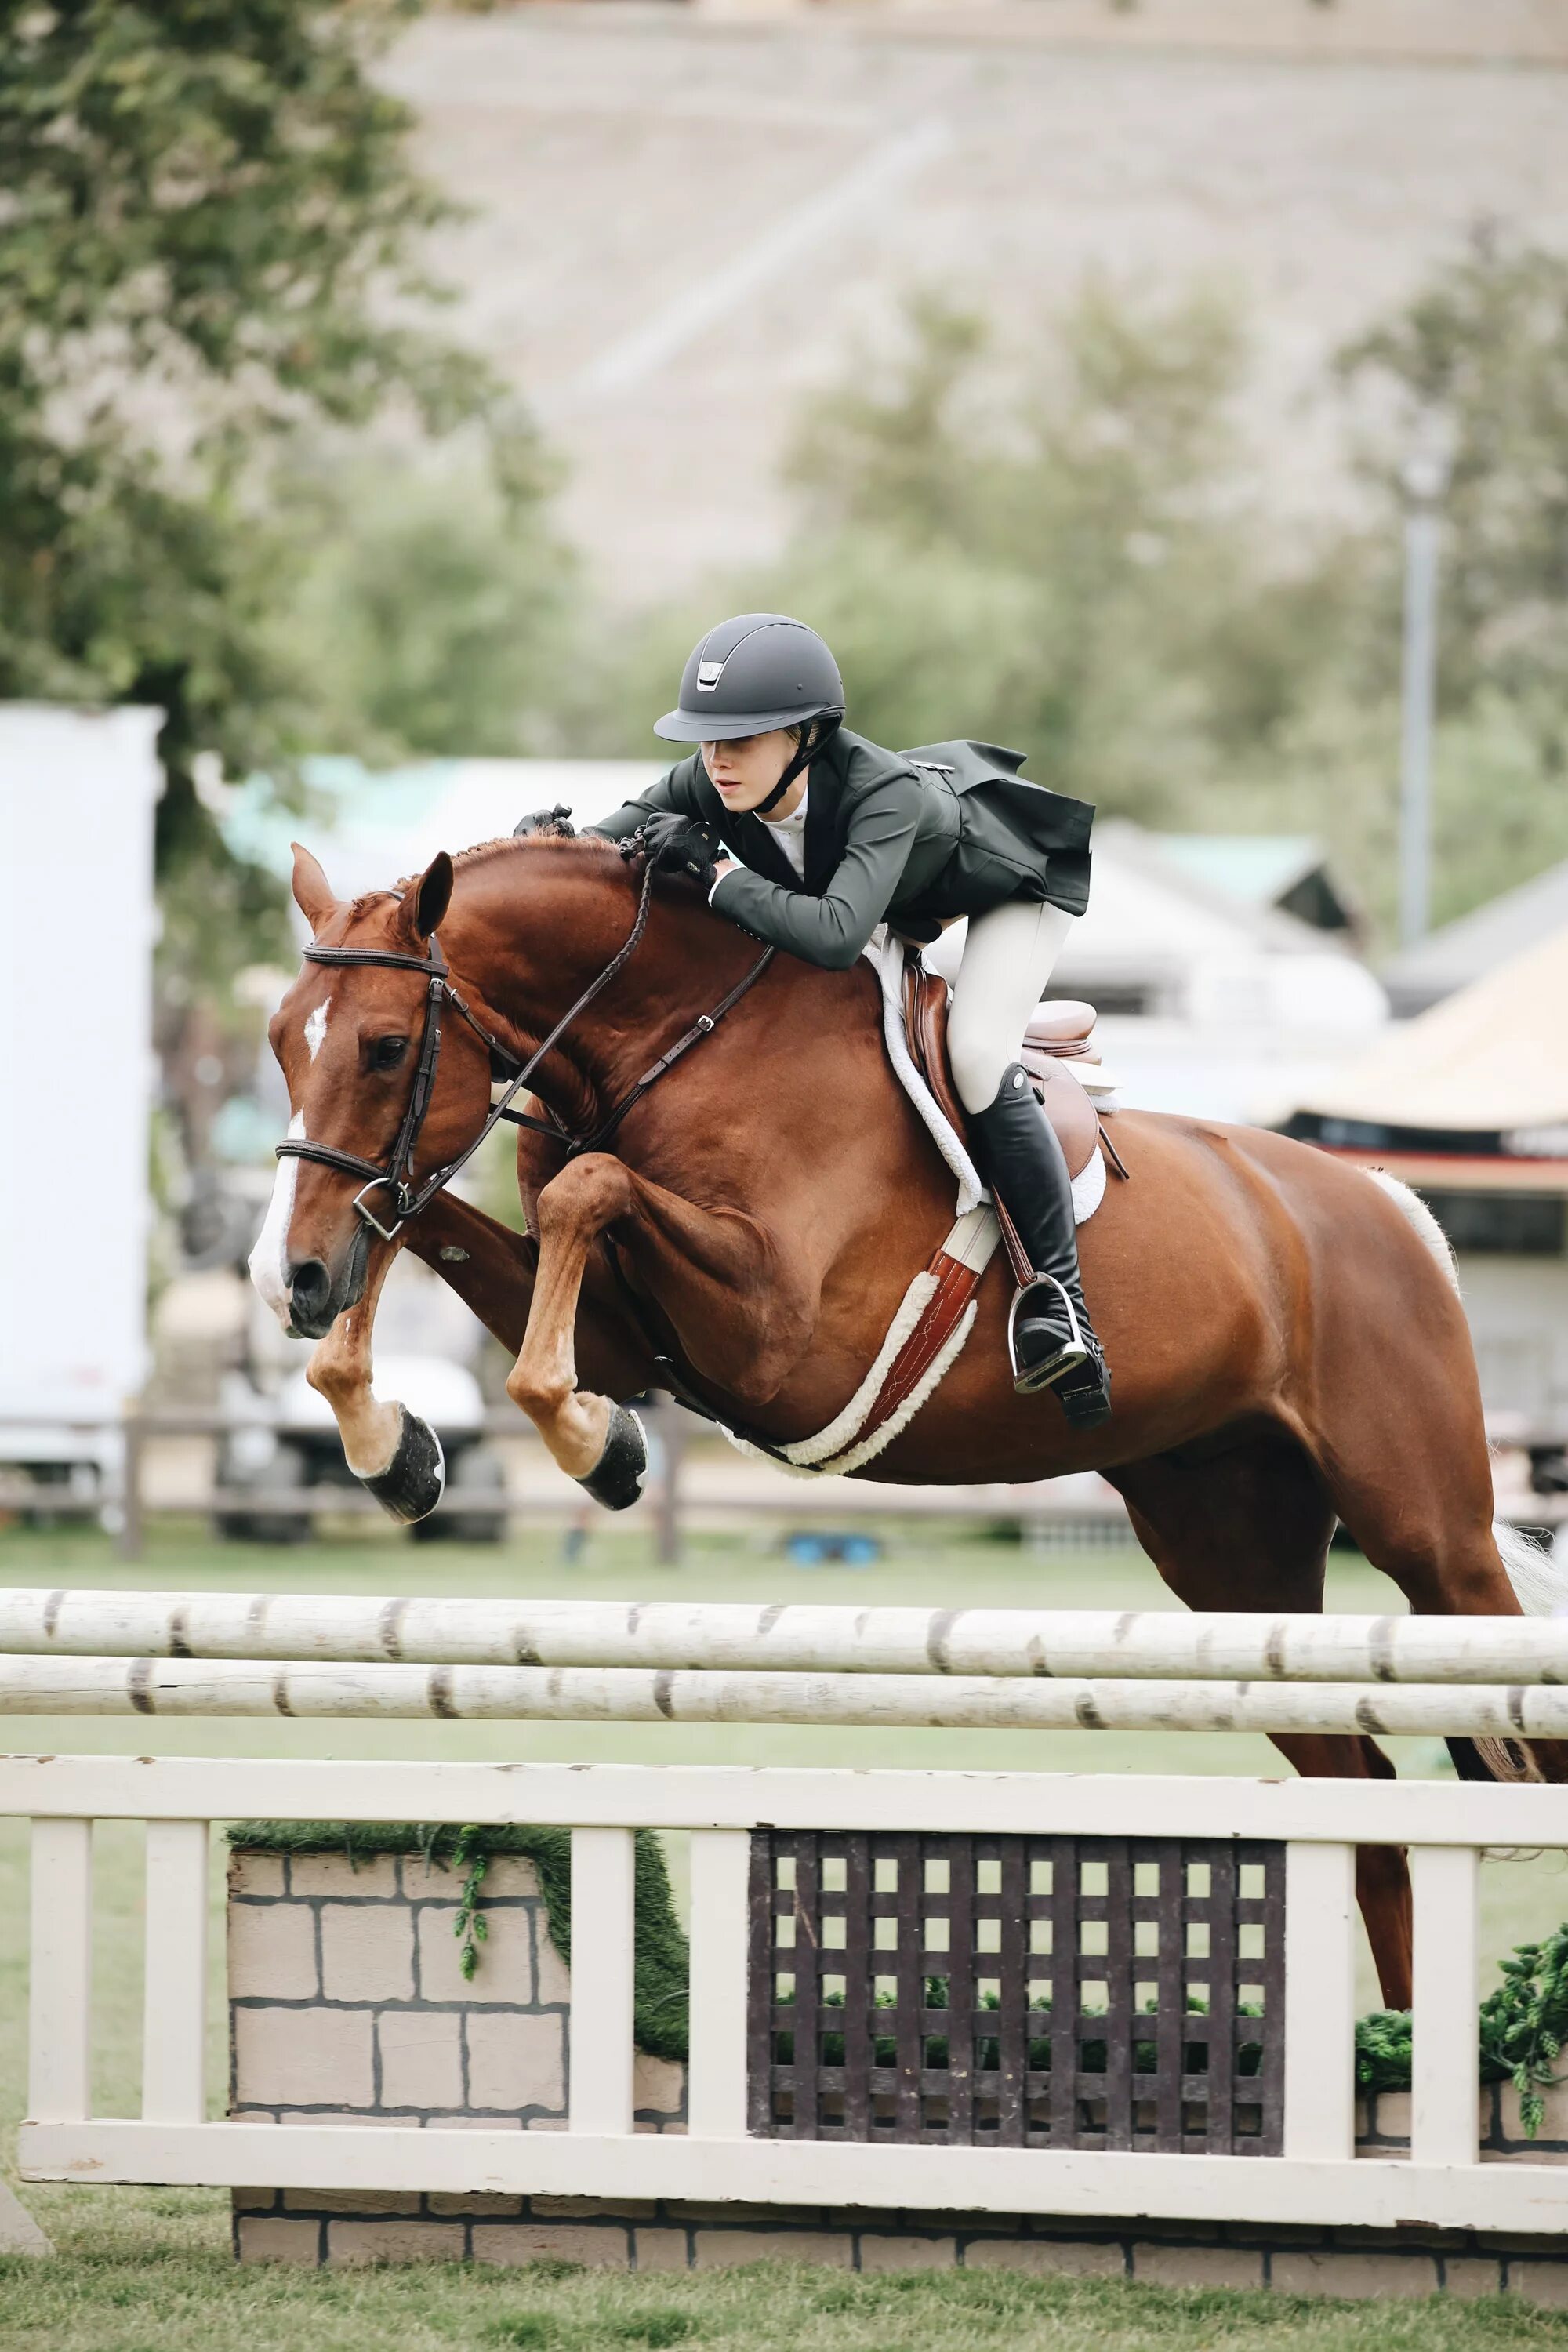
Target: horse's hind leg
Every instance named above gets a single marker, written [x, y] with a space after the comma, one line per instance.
[1248, 1528]
[1400, 1440]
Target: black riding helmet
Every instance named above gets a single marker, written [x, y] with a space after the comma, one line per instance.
[752, 674]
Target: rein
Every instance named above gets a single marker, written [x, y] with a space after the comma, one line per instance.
[397, 1176]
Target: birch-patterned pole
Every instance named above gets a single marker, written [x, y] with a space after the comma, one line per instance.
[228, 1686]
[1168, 1644]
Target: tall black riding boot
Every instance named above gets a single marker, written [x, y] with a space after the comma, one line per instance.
[1052, 1341]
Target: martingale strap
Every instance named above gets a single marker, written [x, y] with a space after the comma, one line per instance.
[396, 1175]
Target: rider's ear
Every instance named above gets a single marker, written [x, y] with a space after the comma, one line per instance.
[426, 903]
[312, 891]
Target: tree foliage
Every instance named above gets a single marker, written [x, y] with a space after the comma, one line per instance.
[210, 245]
[1478, 361]
[1087, 565]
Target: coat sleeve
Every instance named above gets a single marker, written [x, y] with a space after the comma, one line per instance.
[674, 790]
[832, 928]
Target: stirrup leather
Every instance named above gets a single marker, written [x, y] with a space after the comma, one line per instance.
[1075, 1350]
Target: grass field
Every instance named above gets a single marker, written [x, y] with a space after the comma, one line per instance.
[144, 2268]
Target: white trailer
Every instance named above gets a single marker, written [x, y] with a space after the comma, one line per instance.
[78, 789]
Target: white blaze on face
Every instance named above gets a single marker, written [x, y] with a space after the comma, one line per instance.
[269, 1258]
[316, 1028]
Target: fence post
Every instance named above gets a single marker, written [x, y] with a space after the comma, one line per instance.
[129, 1541]
[603, 1966]
[173, 2036]
[59, 2074]
[1444, 2081]
[716, 2079]
[670, 1426]
[1320, 2000]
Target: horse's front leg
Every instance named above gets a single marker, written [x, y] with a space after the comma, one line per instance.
[756, 1322]
[595, 1440]
[393, 1454]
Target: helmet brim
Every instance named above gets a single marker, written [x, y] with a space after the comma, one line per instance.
[734, 726]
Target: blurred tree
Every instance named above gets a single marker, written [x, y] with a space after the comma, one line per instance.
[208, 248]
[1085, 563]
[1076, 566]
[432, 613]
[1478, 360]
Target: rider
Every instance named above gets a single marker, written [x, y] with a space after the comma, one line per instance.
[829, 835]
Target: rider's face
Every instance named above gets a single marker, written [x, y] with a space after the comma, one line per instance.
[744, 772]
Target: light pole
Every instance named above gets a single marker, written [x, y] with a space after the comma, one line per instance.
[1426, 480]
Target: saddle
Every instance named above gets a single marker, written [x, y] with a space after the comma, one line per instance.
[1057, 1035]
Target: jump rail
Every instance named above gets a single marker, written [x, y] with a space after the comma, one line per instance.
[318, 1687]
[1164, 1646]
[99, 1653]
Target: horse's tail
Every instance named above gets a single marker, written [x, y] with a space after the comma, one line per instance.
[1539, 1581]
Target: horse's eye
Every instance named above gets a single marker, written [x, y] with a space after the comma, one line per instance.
[385, 1053]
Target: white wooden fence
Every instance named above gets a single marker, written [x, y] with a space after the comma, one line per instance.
[1445, 1828]
[1317, 2179]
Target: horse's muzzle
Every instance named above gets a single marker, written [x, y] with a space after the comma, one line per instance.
[316, 1300]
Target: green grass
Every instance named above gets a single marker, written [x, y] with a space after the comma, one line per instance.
[179, 2296]
[145, 2268]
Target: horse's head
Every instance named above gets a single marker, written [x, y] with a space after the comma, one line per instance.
[348, 1039]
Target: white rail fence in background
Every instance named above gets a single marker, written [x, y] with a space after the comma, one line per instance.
[106, 1652]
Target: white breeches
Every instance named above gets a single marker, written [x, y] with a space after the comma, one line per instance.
[1007, 959]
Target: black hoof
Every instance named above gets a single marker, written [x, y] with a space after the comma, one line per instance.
[413, 1480]
[616, 1478]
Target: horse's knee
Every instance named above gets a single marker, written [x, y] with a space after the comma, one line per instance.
[589, 1195]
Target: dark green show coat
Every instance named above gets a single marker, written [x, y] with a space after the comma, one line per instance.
[911, 837]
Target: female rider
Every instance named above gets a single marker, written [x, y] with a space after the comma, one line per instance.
[829, 835]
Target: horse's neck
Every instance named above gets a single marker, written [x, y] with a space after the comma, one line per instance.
[531, 960]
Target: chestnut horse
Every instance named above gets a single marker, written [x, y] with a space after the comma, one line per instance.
[1285, 1332]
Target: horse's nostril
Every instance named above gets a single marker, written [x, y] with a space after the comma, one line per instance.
[310, 1286]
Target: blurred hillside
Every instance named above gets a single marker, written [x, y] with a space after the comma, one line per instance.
[686, 218]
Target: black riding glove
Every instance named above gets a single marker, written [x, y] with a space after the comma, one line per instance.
[678, 844]
[556, 821]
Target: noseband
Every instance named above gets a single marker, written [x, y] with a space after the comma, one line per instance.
[396, 1177]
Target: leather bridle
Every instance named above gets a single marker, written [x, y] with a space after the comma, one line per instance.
[396, 1175]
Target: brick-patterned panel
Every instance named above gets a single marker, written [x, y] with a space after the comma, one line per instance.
[1018, 1992]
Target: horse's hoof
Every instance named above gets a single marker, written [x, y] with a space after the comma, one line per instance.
[616, 1477]
[414, 1479]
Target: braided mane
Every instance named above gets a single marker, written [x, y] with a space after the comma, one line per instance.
[480, 852]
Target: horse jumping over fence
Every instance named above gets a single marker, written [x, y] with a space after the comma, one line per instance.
[1285, 1335]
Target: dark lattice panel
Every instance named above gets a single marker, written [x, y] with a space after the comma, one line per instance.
[1018, 1992]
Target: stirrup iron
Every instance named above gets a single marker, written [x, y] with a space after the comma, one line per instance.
[1029, 1380]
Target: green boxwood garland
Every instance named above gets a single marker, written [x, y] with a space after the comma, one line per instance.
[1523, 2027]
[662, 1966]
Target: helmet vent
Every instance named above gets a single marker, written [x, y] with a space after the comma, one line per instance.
[708, 676]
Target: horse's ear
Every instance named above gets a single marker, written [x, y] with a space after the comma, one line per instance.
[425, 904]
[312, 891]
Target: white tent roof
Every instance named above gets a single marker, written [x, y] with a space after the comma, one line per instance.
[1478, 942]
[1492, 1059]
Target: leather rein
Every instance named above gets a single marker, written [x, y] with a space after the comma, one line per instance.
[396, 1175]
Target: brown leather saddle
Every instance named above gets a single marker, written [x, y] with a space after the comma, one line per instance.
[1057, 1035]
